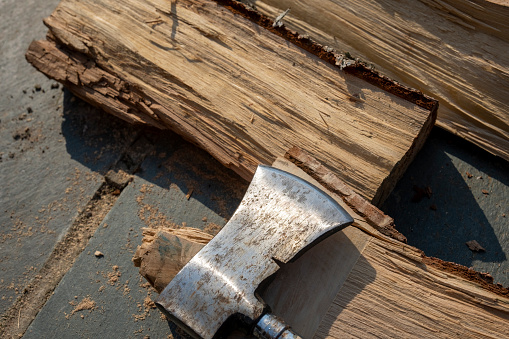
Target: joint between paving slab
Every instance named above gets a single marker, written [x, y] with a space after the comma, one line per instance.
[19, 316]
[16, 320]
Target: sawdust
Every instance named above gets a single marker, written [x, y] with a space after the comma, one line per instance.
[127, 290]
[114, 276]
[85, 304]
[212, 228]
[145, 285]
[35, 289]
[148, 305]
[20, 230]
[150, 215]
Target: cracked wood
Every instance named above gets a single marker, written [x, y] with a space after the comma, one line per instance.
[228, 85]
[453, 50]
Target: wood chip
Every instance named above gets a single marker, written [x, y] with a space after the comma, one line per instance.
[98, 254]
[485, 192]
[474, 246]
[84, 305]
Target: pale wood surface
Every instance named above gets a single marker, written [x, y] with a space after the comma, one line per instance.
[359, 283]
[235, 89]
[389, 294]
[453, 50]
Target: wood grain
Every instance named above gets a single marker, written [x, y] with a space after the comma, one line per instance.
[235, 89]
[453, 50]
[180, 244]
[388, 294]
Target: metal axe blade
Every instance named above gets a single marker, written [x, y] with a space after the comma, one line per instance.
[280, 216]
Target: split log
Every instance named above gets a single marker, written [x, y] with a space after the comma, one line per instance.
[180, 245]
[243, 92]
[453, 50]
[362, 283]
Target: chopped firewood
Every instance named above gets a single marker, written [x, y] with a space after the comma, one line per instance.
[243, 92]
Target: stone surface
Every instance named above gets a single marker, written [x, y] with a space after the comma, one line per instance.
[54, 150]
[157, 197]
[451, 194]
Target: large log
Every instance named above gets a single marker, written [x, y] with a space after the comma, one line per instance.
[358, 282]
[453, 50]
[243, 92]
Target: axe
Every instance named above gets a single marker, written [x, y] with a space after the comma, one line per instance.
[279, 218]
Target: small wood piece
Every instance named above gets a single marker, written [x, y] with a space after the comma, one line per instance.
[361, 282]
[239, 91]
[178, 245]
[474, 246]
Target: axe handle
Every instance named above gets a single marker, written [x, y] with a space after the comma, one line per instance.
[272, 327]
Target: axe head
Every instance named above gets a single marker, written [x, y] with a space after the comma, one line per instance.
[280, 216]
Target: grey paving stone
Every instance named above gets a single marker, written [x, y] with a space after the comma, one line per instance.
[53, 152]
[457, 211]
[158, 196]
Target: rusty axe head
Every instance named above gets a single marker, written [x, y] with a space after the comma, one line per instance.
[280, 216]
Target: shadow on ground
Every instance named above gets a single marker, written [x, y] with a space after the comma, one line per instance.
[452, 193]
[172, 161]
[91, 135]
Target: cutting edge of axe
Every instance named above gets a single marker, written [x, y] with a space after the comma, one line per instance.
[280, 217]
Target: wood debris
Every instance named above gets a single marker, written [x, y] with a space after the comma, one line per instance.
[85, 304]
[474, 246]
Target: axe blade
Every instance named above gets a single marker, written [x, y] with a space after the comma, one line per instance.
[280, 216]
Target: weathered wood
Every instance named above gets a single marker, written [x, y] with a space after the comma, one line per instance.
[180, 245]
[365, 284]
[372, 215]
[237, 90]
[389, 294]
[453, 50]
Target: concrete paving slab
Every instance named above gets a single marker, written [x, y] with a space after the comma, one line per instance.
[104, 296]
[53, 152]
[453, 193]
